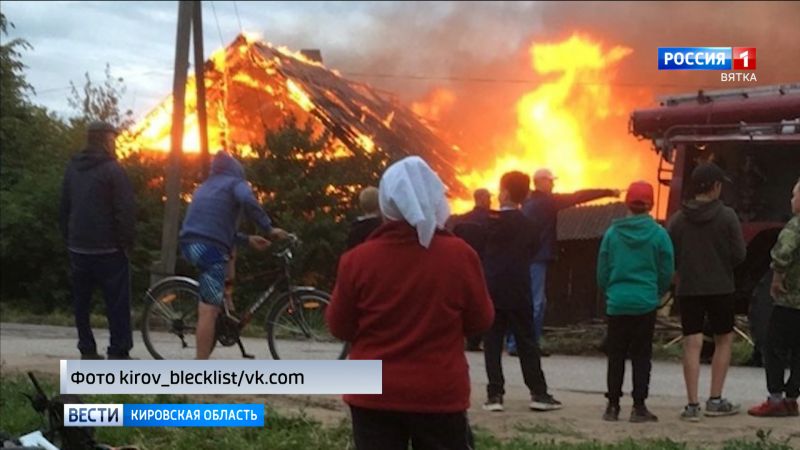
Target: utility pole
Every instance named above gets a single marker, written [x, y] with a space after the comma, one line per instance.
[199, 59]
[189, 13]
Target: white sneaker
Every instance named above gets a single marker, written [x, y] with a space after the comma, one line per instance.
[494, 404]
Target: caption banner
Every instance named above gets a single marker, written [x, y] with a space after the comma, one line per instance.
[221, 377]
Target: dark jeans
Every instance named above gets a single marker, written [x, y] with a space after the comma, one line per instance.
[783, 350]
[111, 273]
[630, 336]
[392, 430]
[520, 323]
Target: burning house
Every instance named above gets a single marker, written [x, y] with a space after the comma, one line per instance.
[253, 87]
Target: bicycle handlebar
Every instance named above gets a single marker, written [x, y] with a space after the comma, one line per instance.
[294, 242]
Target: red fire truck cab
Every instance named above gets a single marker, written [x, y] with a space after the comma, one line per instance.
[754, 136]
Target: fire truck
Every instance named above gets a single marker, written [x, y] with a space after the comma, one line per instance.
[754, 136]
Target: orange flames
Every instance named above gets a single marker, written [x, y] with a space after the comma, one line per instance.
[574, 122]
[243, 99]
[570, 124]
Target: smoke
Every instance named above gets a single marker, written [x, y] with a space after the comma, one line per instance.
[479, 52]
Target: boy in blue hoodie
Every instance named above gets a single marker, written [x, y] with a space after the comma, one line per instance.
[634, 269]
[208, 237]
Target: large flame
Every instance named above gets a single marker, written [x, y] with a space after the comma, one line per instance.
[570, 123]
[243, 98]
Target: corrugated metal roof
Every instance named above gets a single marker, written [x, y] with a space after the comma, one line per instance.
[588, 222]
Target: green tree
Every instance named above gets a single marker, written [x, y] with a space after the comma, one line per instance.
[33, 157]
[310, 194]
[93, 101]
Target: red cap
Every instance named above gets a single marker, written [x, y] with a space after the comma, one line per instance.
[640, 192]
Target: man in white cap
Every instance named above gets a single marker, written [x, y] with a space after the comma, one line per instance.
[542, 207]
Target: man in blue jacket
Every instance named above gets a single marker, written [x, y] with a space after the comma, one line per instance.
[97, 221]
[634, 269]
[542, 207]
[209, 233]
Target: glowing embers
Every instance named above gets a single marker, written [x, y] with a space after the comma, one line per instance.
[299, 96]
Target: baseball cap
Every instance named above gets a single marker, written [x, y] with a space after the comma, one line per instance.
[639, 192]
[705, 175]
[98, 126]
[543, 173]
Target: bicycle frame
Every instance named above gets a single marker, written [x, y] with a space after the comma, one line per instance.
[266, 296]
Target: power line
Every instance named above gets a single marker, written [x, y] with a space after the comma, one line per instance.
[239, 19]
[505, 80]
[219, 30]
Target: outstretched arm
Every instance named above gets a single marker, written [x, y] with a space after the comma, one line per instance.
[564, 201]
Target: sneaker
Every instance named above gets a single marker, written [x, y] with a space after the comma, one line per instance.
[721, 407]
[494, 404]
[545, 402]
[691, 413]
[770, 409]
[640, 414]
[612, 413]
[91, 356]
[791, 407]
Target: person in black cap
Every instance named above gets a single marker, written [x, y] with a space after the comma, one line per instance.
[708, 246]
[97, 220]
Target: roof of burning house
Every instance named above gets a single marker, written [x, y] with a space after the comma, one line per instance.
[588, 222]
[252, 87]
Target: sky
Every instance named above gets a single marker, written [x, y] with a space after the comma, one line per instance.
[374, 39]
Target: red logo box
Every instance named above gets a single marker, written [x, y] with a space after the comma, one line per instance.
[744, 58]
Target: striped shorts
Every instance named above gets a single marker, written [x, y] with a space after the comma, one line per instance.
[212, 264]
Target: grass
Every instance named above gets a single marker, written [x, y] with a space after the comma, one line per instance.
[539, 429]
[297, 431]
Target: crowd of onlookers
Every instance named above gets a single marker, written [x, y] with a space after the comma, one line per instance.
[416, 282]
[391, 303]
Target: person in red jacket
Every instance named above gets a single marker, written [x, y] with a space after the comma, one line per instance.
[408, 296]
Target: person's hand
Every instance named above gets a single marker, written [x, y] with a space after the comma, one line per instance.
[278, 233]
[615, 192]
[777, 288]
[259, 243]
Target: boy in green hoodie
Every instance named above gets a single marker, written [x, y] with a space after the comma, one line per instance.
[783, 336]
[634, 269]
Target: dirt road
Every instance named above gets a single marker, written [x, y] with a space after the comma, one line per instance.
[579, 382]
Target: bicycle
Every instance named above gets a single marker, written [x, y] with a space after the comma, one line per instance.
[295, 323]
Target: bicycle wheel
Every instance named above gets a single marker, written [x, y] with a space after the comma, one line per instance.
[170, 320]
[296, 328]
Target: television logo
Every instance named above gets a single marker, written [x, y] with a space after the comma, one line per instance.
[706, 58]
[92, 415]
[744, 58]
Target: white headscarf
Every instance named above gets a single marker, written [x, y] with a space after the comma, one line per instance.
[410, 190]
